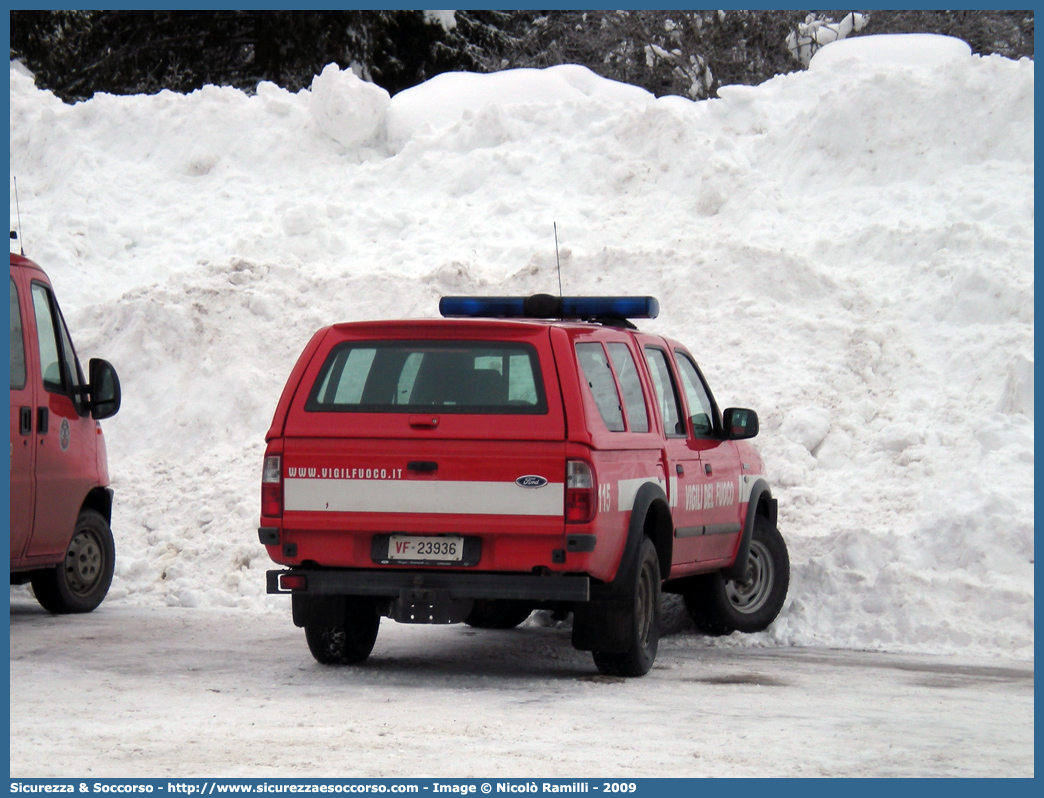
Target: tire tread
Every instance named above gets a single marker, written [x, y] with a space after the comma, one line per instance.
[348, 644]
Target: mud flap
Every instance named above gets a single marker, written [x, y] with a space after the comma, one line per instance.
[324, 611]
[602, 626]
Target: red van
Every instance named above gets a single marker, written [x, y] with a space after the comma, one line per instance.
[61, 505]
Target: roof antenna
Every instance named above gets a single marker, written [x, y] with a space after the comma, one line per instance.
[18, 212]
[558, 259]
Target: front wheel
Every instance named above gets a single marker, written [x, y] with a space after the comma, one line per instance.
[643, 622]
[81, 580]
[720, 606]
[350, 643]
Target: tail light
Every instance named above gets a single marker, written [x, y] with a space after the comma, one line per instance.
[293, 582]
[580, 492]
[272, 487]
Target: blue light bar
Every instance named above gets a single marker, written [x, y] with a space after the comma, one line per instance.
[610, 307]
[498, 307]
[545, 306]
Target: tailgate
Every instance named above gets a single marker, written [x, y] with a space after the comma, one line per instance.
[447, 429]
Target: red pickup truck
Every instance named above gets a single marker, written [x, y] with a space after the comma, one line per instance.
[522, 453]
[61, 505]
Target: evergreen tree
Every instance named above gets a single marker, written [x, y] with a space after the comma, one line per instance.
[690, 53]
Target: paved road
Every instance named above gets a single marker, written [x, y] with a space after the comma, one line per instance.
[160, 692]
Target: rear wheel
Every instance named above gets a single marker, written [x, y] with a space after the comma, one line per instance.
[350, 643]
[643, 622]
[720, 606]
[81, 580]
[497, 614]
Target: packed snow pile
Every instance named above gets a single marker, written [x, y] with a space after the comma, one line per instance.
[848, 250]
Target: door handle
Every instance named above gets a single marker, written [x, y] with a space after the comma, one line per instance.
[708, 469]
[25, 420]
[422, 465]
[41, 420]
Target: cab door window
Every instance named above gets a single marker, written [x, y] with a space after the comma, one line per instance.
[700, 405]
[46, 336]
[17, 343]
[666, 393]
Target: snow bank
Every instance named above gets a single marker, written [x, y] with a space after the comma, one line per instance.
[458, 96]
[847, 250]
[907, 49]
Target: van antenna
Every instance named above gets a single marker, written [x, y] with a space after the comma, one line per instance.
[18, 213]
[557, 259]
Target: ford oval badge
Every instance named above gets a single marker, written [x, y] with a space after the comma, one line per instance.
[531, 481]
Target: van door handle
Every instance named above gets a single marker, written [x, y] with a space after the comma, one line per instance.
[25, 420]
[708, 469]
[41, 420]
[422, 465]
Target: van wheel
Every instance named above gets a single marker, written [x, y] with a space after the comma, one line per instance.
[348, 644]
[720, 606]
[643, 630]
[494, 614]
[81, 580]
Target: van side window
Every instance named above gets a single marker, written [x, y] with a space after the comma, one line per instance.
[17, 342]
[696, 394]
[58, 364]
[630, 384]
[600, 380]
[663, 382]
[47, 337]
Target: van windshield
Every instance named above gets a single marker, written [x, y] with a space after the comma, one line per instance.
[417, 376]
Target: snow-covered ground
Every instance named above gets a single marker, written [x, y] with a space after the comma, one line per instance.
[849, 250]
[160, 692]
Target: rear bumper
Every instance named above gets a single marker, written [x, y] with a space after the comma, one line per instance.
[391, 584]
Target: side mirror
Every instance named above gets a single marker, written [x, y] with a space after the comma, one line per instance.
[104, 389]
[740, 423]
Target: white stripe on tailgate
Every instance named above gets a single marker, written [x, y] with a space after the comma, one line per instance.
[416, 496]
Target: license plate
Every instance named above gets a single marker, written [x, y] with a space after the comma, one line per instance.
[414, 548]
